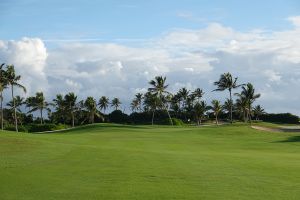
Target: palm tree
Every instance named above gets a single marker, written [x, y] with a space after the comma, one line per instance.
[258, 111]
[175, 104]
[70, 101]
[91, 106]
[151, 102]
[115, 103]
[19, 101]
[227, 82]
[228, 104]
[159, 89]
[198, 93]
[216, 108]
[200, 108]
[13, 81]
[248, 93]
[3, 85]
[183, 94]
[139, 99]
[190, 101]
[134, 105]
[40, 104]
[103, 103]
[60, 106]
[241, 107]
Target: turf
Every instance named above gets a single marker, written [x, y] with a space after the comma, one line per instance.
[144, 162]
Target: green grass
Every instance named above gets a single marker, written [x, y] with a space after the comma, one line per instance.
[143, 162]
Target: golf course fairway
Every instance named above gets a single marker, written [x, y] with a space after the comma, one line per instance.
[108, 161]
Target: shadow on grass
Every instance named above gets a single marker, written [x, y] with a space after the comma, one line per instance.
[292, 139]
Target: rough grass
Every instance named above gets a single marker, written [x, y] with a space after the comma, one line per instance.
[144, 162]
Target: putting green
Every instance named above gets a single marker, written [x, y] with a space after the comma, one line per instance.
[106, 161]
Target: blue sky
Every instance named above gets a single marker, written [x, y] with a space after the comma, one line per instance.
[115, 47]
[133, 19]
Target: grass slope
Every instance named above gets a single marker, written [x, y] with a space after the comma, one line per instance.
[143, 162]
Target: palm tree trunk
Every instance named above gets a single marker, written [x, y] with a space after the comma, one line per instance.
[2, 125]
[153, 116]
[230, 106]
[15, 110]
[169, 115]
[249, 113]
[73, 119]
[217, 120]
[41, 113]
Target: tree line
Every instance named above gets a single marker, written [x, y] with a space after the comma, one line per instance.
[185, 105]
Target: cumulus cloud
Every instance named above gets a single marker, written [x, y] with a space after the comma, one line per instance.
[29, 58]
[189, 58]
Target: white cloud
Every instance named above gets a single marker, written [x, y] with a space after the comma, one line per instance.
[29, 57]
[190, 58]
[295, 20]
[272, 75]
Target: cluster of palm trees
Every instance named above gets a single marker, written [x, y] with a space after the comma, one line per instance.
[9, 79]
[67, 108]
[187, 104]
[184, 104]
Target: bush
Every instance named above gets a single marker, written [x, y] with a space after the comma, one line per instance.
[45, 127]
[287, 118]
[11, 127]
[118, 116]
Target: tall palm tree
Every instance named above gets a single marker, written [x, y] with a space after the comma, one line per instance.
[258, 111]
[103, 103]
[40, 104]
[70, 101]
[139, 99]
[227, 82]
[13, 81]
[199, 109]
[248, 93]
[115, 103]
[3, 85]
[91, 106]
[159, 89]
[216, 108]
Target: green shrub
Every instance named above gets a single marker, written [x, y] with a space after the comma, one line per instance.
[11, 127]
[287, 118]
[118, 116]
[45, 127]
